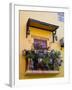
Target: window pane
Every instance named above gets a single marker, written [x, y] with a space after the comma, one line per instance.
[40, 43]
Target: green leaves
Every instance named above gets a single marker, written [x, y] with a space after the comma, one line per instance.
[46, 60]
[50, 60]
[30, 55]
[57, 54]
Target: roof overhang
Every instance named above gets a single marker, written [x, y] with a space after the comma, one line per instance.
[40, 25]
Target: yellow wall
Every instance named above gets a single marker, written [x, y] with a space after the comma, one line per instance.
[26, 43]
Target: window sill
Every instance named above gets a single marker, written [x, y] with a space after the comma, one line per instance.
[41, 72]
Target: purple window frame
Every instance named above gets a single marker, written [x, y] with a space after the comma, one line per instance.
[43, 43]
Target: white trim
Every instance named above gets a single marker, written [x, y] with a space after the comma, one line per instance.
[12, 48]
[15, 61]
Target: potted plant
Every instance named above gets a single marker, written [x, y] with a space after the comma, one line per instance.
[30, 57]
[53, 60]
[57, 60]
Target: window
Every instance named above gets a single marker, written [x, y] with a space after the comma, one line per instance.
[61, 16]
[40, 44]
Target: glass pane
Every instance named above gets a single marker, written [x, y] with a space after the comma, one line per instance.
[40, 43]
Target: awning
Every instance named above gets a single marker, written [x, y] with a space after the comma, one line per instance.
[40, 25]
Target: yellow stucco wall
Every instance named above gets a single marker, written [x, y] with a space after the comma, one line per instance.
[26, 43]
